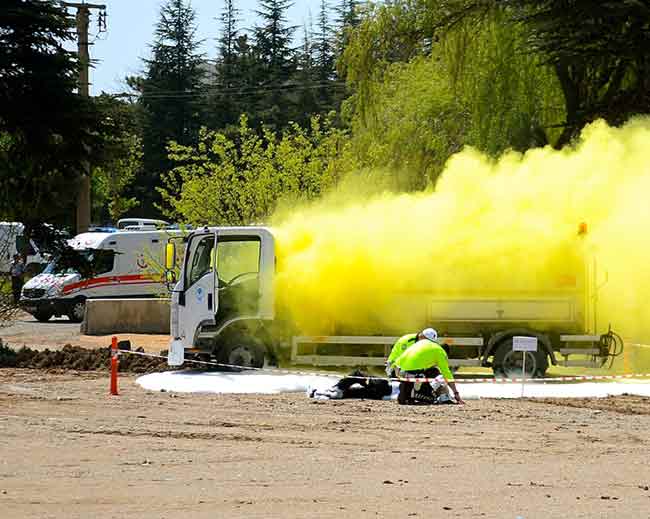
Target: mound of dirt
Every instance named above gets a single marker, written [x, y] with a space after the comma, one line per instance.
[76, 358]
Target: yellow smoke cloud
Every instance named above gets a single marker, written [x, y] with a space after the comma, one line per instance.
[490, 227]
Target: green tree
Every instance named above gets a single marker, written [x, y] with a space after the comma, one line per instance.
[241, 179]
[276, 60]
[171, 95]
[307, 96]
[323, 45]
[597, 49]
[419, 97]
[111, 180]
[119, 162]
[228, 39]
[600, 54]
[324, 59]
[348, 18]
[230, 80]
[47, 131]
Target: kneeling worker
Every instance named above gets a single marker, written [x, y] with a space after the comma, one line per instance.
[404, 343]
[426, 358]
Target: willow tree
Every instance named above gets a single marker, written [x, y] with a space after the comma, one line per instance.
[421, 95]
[597, 50]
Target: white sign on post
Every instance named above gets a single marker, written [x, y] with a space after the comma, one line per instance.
[525, 345]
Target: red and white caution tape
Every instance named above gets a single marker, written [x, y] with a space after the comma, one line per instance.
[500, 380]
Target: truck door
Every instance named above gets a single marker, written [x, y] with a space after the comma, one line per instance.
[197, 302]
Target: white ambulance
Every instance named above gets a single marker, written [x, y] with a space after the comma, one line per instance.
[125, 264]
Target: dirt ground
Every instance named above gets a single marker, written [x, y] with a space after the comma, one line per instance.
[57, 332]
[69, 450]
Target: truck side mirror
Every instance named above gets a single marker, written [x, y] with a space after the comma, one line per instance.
[170, 256]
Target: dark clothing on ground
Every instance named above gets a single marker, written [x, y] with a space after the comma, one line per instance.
[353, 386]
[356, 385]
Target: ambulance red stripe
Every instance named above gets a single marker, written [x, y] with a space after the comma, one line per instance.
[105, 281]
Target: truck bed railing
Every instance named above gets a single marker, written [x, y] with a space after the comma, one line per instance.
[368, 360]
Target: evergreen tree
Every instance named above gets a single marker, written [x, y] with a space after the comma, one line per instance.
[306, 96]
[324, 60]
[228, 38]
[324, 49]
[348, 19]
[229, 79]
[48, 133]
[170, 93]
[276, 61]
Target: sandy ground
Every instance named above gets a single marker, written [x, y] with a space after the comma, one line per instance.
[57, 332]
[69, 450]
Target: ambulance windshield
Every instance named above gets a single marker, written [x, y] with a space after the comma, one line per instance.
[89, 262]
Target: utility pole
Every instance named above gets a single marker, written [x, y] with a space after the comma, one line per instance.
[82, 21]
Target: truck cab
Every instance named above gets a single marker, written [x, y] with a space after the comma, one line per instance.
[224, 296]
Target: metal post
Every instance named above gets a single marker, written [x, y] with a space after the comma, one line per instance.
[595, 283]
[523, 373]
[83, 200]
[114, 366]
[82, 20]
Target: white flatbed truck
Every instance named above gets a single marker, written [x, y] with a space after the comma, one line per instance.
[229, 313]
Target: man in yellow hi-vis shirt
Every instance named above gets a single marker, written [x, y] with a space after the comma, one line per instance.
[425, 359]
[405, 342]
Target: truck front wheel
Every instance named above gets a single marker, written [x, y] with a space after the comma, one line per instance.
[247, 354]
[509, 363]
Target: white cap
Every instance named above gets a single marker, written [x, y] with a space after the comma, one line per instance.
[430, 334]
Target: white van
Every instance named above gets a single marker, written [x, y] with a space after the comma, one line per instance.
[125, 264]
[13, 241]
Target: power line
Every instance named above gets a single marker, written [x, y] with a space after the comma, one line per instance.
[261, 87]
[179, 94]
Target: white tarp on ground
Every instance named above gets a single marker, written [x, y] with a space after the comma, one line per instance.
[264, 383]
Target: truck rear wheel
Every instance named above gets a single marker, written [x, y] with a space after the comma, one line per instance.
[509, 363]
[245, 353]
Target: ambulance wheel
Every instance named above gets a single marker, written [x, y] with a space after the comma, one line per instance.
[43, 316]
[245, 353]
[509, 363]
[77, 310]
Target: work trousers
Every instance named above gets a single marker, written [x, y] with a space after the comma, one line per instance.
[424, 394]
[16, 287]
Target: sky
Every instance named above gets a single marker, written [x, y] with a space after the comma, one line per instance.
[119, 51]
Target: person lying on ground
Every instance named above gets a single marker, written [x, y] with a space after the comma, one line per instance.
[405, 342]
[356, 385]
[425, 359]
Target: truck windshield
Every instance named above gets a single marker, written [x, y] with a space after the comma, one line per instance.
[236, 257]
